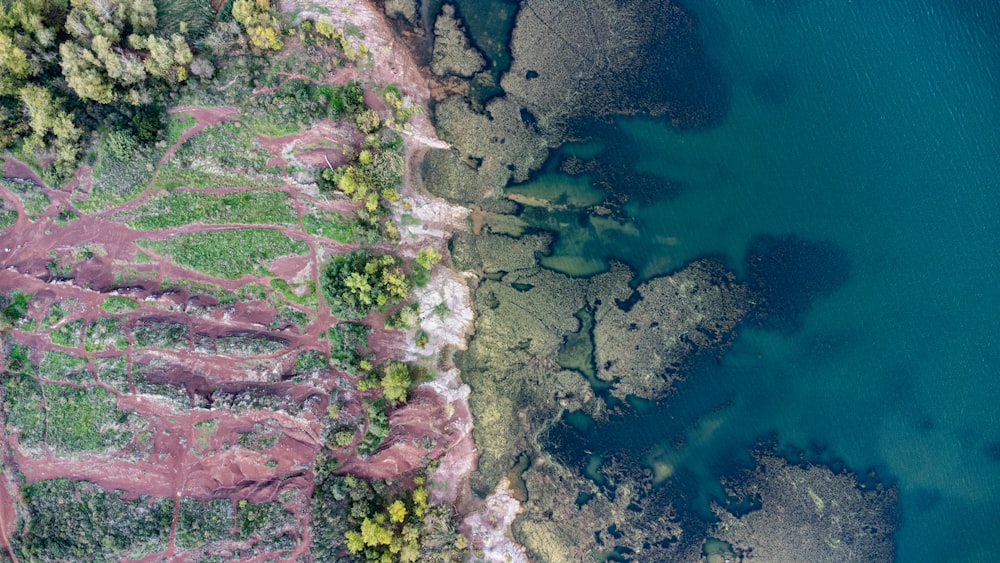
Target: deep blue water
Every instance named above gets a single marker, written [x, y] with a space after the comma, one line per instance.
[870, 126]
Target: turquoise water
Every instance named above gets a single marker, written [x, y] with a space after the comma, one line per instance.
[871, 125]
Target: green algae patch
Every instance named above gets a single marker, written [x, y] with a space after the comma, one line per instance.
[227, 254]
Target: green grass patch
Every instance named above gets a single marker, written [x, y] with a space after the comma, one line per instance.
[118, 180]
[60, 366]
[65, 217]
[184, 207]
[8, 215]
[166, 335]
[255, 519]
[223, 155]
[22, 408]
[105, 333]
[290, 316]
[84, 420]
[113, 371]
[339, 228]
[301, 294]
[67, 335]
[311, 362]
[227, 254]
[115, 304]
[31, 195]
[252, 292]
[294, 104]
[248, 344]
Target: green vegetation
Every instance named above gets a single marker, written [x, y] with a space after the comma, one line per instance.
[248, 344]
[145, 384]
[293, 104]
[70, 68]
[160, 334]
[301, 294]
[105, 333]
[65, 217]
[74, 67]
[378, 427]
[200, 523]
[13, 308]
[115, 304]
[8, 214]
[119, 178]
[357, 282]
[22, 408]
[290, 316]
[427, 257]
[310, 362]
[227, 254]
[77, 521]
[264, 519]
[258, 438]
[381, 522]
[348, 346]
[260, 23]
[68, 335]
[340, 228]
[373, 178]
[84, 420]
[17, 360]
[112, 371]
[183, 207]
[396, 381]
[60, 366]
[223, 155]
[35, 200]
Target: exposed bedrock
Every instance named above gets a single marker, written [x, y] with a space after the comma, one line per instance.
[594, 59]
[453, 54]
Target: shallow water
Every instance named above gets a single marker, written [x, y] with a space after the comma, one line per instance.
[872, 126]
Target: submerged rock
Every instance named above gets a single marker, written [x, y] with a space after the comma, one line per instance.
[452, 52]
[611, 57]
[493, 148]
[644, 339]
[809, 514]
[406, 9]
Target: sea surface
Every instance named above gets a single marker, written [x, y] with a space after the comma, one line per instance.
[871, 126]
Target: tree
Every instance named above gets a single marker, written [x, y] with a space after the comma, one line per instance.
[260, 24]
[396, 382]
[427, 257]
[397, 511]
